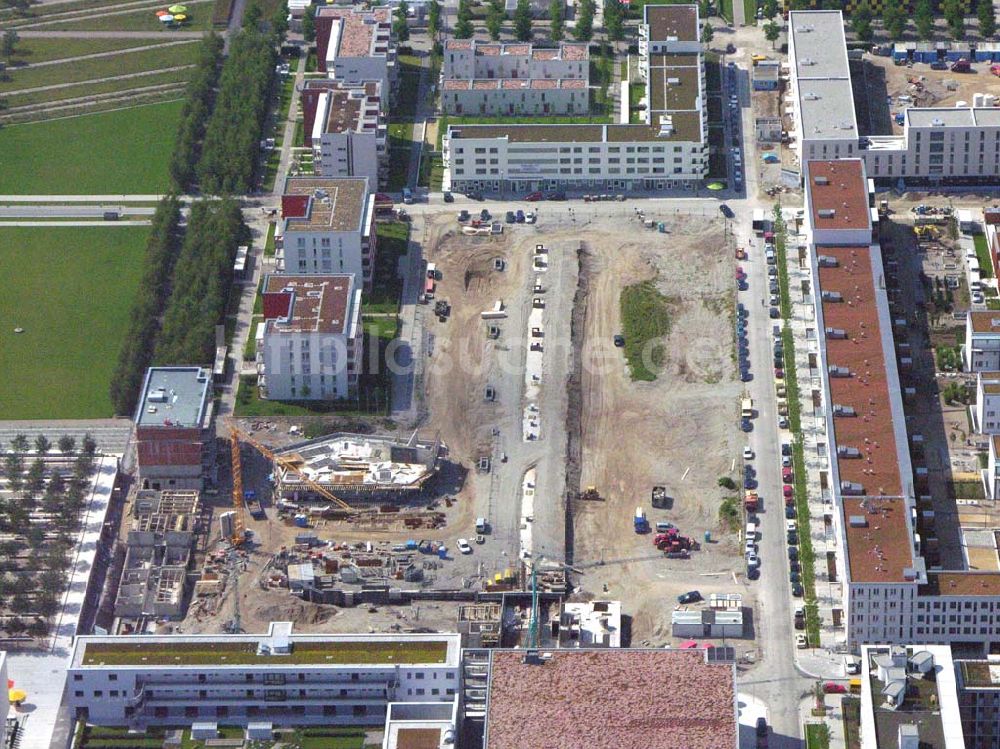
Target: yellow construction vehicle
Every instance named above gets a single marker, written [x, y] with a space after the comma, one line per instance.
[288, 464]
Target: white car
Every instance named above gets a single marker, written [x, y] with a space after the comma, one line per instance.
[463, 546]
[790, 526]
[748, 453]
[801, 642]
[529, 217]
[750, 548]
[753, 561]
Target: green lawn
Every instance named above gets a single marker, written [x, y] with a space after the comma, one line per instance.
[86, 88]
[34, 50]
[750, 12]
[101, 67]
[199, 19]
[125, 151]
[983, 255]
[71, 290]
[645, 320]
[42, 12]
[817, 736]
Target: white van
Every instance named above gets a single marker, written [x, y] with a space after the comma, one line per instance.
[751, 531]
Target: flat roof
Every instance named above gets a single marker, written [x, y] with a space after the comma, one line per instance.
[184, 651]
[940, 117]
[334, 204]
[671, 22]
[822, 72]
[826, 107]
[687, 128]
[979, 674]
[315, 303]
[839, 195]
[881, 549]
[358, 30]
[174, 397]
[674, 88]
[985, 321]
[347, 110]
[610, 699]
[962, 583]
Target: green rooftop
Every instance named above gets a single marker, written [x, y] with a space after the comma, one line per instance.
[245, 653]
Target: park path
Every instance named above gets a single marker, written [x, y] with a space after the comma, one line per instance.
[104, 14]
[91, 56]
[29, 34]
[100, 80]
[129, 95]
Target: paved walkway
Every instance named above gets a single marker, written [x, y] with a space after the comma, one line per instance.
[739, 17]
[109, 78]
[31, 34]
[89, 198]
[131, 95]
[93, 223]
[112, 53]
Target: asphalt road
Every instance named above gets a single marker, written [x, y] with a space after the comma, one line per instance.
[70, 211]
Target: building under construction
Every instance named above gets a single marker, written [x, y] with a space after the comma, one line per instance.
[366, 468]
[157, 555]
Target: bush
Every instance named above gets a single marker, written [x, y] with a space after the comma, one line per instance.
[729, 513]
[136, 353]
[727, 483]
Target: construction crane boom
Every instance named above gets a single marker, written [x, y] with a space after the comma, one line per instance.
[289, 466]
[239, 519]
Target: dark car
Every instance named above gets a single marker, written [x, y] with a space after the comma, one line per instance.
[519, 216]
[939, 65]
[742, 284]
[761, 729]
[726, 211]
[692, 596]
[730, 49]
[753, 573]
[772, 286]
[474, 195]
[790, 512]
[794, 566]
[619, 341]
[448, 197]
[746, 425]
[793, 552]
[463, 216]
[745, 376]
[510, 217]
[557, 195]
[533, 197]
[741, 309]
[774, 313]
[797, 590]
[484, 215]
[786, 448]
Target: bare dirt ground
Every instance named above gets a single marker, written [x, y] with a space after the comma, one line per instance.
[678, 431]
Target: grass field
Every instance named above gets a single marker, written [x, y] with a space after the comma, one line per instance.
[34, 50]
[71, 290]
[199, 19]
[645, 320]
[87, 88]
[101, 67]
[125, 151]
[38, 13]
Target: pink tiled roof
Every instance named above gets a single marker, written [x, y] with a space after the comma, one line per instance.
[545, 54]
[488, 50]
[459, 44]
[544, 83]
[573, 83]
[485, 85]
[574, 51]
[517, 49]
[611, 699]
[515, 83]
[456, 84]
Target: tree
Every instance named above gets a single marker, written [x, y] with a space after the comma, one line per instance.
[10, 40]
[66, 444]
[522, 20]
[15, 626]
[463, 22]
[39, 628]
[770, 9]
[400, 24]
[955, 16]
[987, 19]
[19, 444]
[36, 476]
[771, 32]
[861, 21]
[495, 15]
[309, 24]
[894, 19]
[433, 19]
[707, 33]
[42, 444]
[89, 445]
[584, 29]
[923, 17]
[556, 20]
[614, 20]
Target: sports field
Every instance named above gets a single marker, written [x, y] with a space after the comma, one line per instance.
[71, 291]
[126, 151]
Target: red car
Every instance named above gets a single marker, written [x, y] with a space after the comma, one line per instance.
[787, 490]
[533, 197]
[779, 374]
[786, 475]
[832, 687]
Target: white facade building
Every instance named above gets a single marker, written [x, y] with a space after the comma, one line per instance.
[986, 410]
[281, 678]
[991, 475]
[982, 341]
[328, 226]
[354, 45]
[312, 345]
[349, 135]
[668, 151]
[516, 79]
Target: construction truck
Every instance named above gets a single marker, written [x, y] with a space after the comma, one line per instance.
[639, 521]
[751, 502]
[590, 493]
[659, 497]
[883, 208]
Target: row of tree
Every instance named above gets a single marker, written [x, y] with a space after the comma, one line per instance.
[615, 13]
[202, 280]
[136, 353]
[231, 146]
[200, 96]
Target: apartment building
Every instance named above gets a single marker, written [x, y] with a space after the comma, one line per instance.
[889, 594]
[173, 427]
[668, 151]
[328, 226]
[978, 682]
[516, 79]
[346, 128]
[282, 678]
[355, 45]
[959, 145]
[986, 410]
[311, 343]
[981, 351]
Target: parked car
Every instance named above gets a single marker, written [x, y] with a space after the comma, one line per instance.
[463, 216]
[692, 596]
[787, 491]
[774, 313]
[529, 217]
[619, 341]
[797, 590]
[832, 687]
[745, 376]
[793, 553]
[794, 577]
[786, 475]
[448, 197]
[801, 642]
[519, 216]
[790, 511]
[533, 197]
[939, 65]
[557, 195]
[782, 422]
[484, 215]
[786, 448]
[746, 425]
[753, 561]
[748, 453]
[510, 217]
[724, 209]
[463, 546]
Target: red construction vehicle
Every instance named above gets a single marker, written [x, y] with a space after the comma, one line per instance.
[751, 502]
[995, 69]
[961, 66]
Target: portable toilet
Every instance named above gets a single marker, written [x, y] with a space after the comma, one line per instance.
[899, 52]
[442, 552]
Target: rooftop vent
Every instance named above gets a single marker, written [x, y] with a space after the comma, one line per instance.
[673, 81]
[838, 371]
[836, 333]
[810, 96]
[821, 180]
[832, 296]
[827, 261]
[995, 322]
[666, 125]
[851, 489]
[839, 410]
[848, 452]
[857, 521]
[937, 122]
[827, 212]
[159, 395]
[807, 61]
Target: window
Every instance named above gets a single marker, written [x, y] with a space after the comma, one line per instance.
[112, 677]
[98, 693]
[77, 677]
[78, 693]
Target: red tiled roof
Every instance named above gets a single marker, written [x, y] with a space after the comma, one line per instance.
[985, 322]
[967, 583]
[316, 303]
[545, 83]
[611, 699]
[573, 83]
[842, 189]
